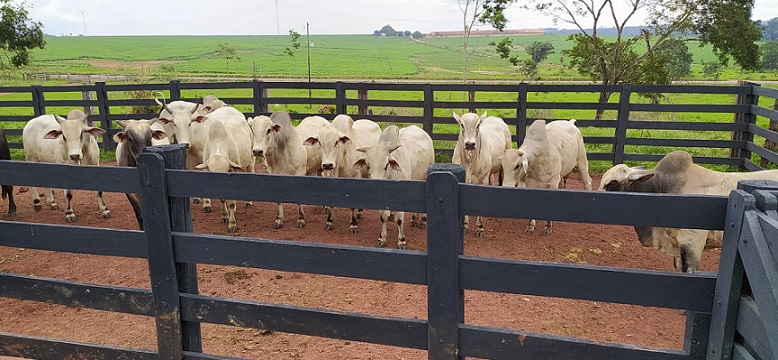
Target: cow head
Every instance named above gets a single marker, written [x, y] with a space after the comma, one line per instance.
[136, 135]
[621, 177]
[379, 162]
[179, 121]
[333, 146]
[76, 134]
[219, 163]
[469, 125]
[264, 130]
[514, 165]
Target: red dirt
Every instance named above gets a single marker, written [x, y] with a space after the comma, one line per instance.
[570, 243]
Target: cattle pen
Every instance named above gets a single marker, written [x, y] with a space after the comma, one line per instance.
[729, 125]
[728, 313]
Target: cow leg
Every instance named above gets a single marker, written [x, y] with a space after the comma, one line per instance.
[101, 203]
[414, 220]
[360, 214]
[691, 252]
[530, 227]
[50, 199]
[69, 215]
[279, 223]
[423, 221]
[479, 232]
[232, 226]
[196, 200]
[383, 215]
[400, 218]
[678, 264]
[36, 200]
[353, 225]
[547, 230]
[467, 223]
[300, 216]
[136, 207]
[207, 205]
[8, 189]
[225, 213]
[328, 223]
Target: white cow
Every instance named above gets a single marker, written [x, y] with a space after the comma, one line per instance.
[548, 155]
[676, 173]
[50, 138]
[339, 144]
[480, 147]
[281, 146]
[228, 149]
[399, 155]
[136, 135]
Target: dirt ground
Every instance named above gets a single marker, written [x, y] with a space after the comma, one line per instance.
[570, 243]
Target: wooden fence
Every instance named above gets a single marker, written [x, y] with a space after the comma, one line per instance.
[173, 251]
[628, 118]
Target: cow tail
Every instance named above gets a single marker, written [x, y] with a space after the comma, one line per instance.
[573, 121]
[6, 191]
[501, 176]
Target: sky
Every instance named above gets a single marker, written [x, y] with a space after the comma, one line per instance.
[274, 17]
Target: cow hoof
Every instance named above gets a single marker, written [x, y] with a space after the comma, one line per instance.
[381, 243]
[207, 210]
[300, 224]
[414, 224]
[328, 227]
[37, 207]
[107, 215]
[232, 229]
[401, 246]
[529, 230]
[249, 204]
[354, 229]
[547, 232]
[53, 206]
[196, 201]
[479, 233]
[225, 221]
[277, 225]
[70, 218]
[12, 214]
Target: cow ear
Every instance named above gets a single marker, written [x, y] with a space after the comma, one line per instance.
[250, 120]
[362, 149]
[393, 148]
[457, 118]
[158, 134]
[393, 164]
[122, 123]
[120, 136]
[163, 120]
[311, 141]
[345, 139]
[207, 108]
[483, 116]
[53, 134]
[640, 176]
[235, 167]
[202, 166]
[639, 167]
[59, 118]
[525, 163]
[361, 163]
[94, 131]
[276, 127]
[200, 118]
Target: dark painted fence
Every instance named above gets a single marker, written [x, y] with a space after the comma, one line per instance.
[173, 251]
[628, 116]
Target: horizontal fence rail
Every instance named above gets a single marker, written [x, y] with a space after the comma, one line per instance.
[430, 107]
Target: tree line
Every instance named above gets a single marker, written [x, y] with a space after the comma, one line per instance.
[388, 30]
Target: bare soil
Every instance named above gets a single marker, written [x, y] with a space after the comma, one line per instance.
[505, 238]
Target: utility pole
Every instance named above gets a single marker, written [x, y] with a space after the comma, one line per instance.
[83, 19]
[278, 27]
[308, 38]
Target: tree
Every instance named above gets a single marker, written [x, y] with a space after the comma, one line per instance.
[770, 30]
[712, 69]
[724, 24]
[472, 11]
[539, 50]
[18, 34]
[295, 45]
[769, 55]
[417, 35]
[228, 52]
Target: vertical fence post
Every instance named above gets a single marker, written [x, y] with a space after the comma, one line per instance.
[471, 97]
[104, 112]
[181, 221]
[175, 90]
[445, 243]
[747, 117]
[621, 125]
[521, 115]
[429, 97]
[340, 98]
[260, 106]
[38, 101]
[362, 96]
[729, 279]
[769, 145]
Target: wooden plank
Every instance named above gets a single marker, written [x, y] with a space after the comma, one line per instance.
[764, 91]
[216, 85]
[741, 353]
[762, 274]
[521, 114]
[445, 243]
[83, 177]
[190, 355]
[577, 88]
[283, 255]
[684, 143]
[315, 190]
[749, 326]
[692, 108]
[692, 89]
[299, 85]
[769, 226]
[571, 106]
[730, 279]
[695, 340]
[596, 207]
[77, 294]
[587, 282]
[34, 347]
[75, 239]
[768, 134]
[409, 333]
[389, 103]
[764, 153]
[768, 113]
[621, 126]
[697, 159]
[492, 343]
[162, 267]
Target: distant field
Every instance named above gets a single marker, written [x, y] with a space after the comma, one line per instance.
[332, 56]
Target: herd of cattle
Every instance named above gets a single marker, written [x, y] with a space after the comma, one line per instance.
[220, 138]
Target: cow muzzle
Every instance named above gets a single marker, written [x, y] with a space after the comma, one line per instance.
[259, 152]
[470, 145]
[327, 166]
[75, 157]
